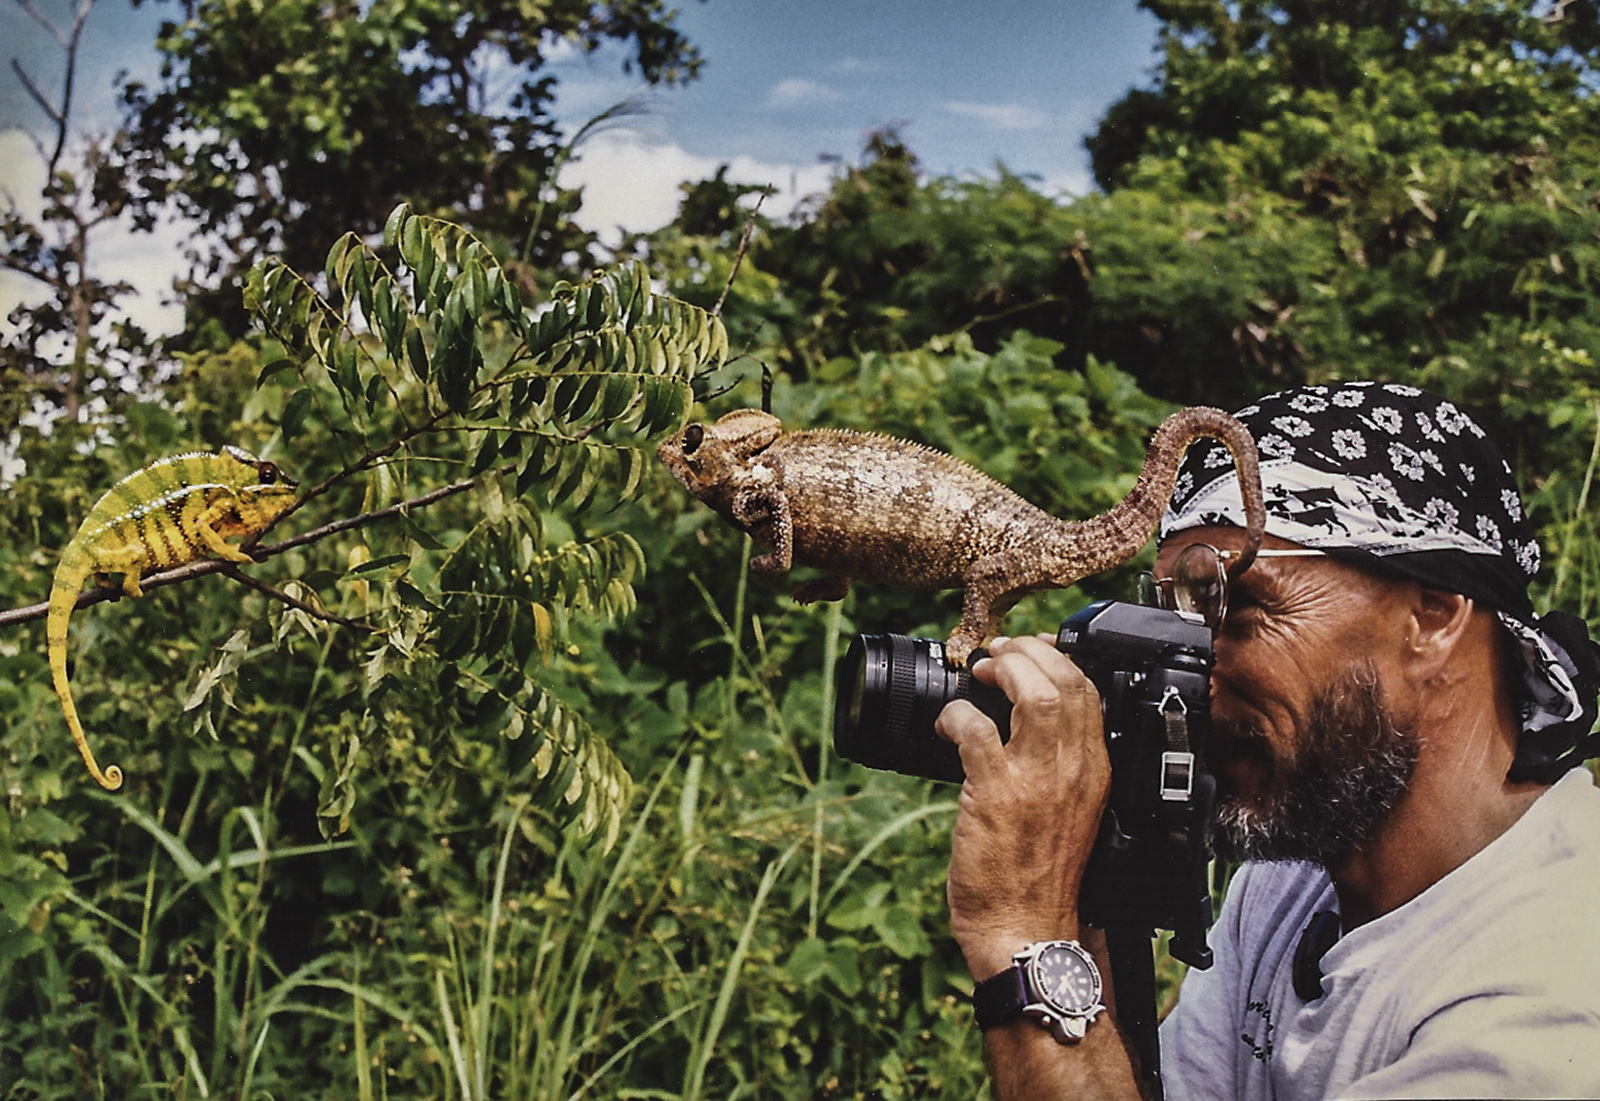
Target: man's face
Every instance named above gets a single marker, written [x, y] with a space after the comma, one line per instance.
[1310, 746]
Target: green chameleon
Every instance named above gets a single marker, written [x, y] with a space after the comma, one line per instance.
[170, 512]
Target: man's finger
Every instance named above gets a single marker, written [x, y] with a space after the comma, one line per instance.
[975, 737]
[1051, 698]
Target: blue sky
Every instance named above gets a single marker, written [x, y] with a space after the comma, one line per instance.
[787, 85]
[788, 82]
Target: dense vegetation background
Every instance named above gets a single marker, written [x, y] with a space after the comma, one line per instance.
[517, 784]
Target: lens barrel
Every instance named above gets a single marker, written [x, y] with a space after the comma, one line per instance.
[890, 689]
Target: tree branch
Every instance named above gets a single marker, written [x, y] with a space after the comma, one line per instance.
[191, 570]
[36, 94]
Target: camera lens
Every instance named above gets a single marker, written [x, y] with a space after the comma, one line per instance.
[890, 690]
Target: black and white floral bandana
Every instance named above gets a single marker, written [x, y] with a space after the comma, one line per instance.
[1399, 478]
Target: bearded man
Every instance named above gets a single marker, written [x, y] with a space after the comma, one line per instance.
[1397, 739]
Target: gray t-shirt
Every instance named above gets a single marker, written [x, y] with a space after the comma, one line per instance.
[1485, 985]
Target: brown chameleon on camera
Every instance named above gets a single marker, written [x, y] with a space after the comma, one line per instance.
[869, 506]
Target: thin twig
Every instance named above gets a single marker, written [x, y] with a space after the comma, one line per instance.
[295, 602]
[738, 257]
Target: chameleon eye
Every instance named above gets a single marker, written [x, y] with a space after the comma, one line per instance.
[267, 472]
[692, 437]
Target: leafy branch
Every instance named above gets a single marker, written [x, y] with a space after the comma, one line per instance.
[426, 358]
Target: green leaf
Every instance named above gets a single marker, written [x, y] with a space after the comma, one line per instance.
[860, 909]
[902, 932]
[392, 225]
[588, 397]
[456, 637]
[620, 392]
[412, 241]
[566, 392]
[809, 961]
[294, 414]
[634, 463]
[378, 565]
[412, 597]
[417, 355]
[273, 368]
[487, 454]
[845, 970]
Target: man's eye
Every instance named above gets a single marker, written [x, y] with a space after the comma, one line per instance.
[1243, 607]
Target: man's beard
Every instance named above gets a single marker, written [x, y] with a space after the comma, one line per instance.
[1350, 767]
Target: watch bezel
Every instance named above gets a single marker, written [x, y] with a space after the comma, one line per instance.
[1068, 1022]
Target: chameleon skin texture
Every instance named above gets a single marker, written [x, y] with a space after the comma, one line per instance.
[861, 505]
[170, 512]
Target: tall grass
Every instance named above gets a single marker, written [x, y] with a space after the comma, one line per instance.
[246, 990]
[760, 929]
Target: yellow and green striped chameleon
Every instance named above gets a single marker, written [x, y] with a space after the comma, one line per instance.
[173, 511]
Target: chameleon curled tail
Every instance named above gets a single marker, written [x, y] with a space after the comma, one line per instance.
[173, 511]
[63, 596]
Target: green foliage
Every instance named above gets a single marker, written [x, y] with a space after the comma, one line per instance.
[376, 839]
[1397, 190]
[884, 262]
[438, 364]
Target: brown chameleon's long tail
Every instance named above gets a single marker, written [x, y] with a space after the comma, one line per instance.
[1126, 526]
[63, 597]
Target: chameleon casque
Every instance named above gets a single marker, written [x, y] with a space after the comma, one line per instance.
[861, 505]
[173, 511]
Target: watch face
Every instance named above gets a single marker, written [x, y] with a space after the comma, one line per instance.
[1064, 977]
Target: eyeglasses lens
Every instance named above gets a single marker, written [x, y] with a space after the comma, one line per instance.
[1199, 585]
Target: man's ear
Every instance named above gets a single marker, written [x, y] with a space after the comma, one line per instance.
[1441, 623]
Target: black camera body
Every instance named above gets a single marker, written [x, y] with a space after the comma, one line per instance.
[1152, 668]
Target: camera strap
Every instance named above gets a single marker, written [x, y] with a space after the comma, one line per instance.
[1177, 761]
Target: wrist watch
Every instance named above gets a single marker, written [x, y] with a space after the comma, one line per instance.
[1053, 981]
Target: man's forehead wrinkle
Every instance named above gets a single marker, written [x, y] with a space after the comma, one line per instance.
[1285, 586]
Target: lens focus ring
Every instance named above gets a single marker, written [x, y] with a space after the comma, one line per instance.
[902, 687]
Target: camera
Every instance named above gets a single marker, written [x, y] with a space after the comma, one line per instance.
[1152, 668]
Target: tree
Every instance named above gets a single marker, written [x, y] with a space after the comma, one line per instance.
[84, 190]
[886, 260]
[278, 126]
[1403, 182]
[449, 437]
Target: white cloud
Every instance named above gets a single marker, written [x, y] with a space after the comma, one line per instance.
[798, 92]
[630, 183]
[1001, 116]
[1073, 183]
[856, 65]
[21, 170]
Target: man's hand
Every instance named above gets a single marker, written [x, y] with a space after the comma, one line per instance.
[1030, 808]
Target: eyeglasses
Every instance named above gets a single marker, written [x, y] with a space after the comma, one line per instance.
[1199, 581]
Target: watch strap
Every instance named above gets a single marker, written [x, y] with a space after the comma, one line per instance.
[1001, 998]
